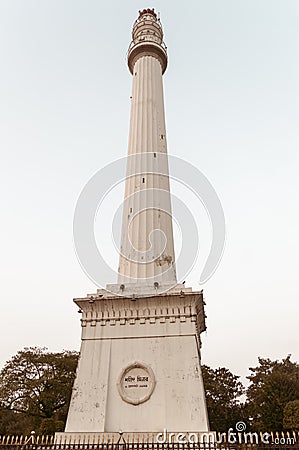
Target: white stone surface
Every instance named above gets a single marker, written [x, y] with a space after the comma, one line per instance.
[161, 332]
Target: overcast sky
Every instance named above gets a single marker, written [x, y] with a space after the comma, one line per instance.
[231, 99]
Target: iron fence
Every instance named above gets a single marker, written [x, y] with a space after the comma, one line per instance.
[275, 441]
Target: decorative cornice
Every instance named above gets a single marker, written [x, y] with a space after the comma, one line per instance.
[120, 311]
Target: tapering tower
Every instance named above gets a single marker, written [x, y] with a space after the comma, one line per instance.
[139, 368]
[147, 255]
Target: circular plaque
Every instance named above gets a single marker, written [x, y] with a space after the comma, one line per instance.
[136, 383]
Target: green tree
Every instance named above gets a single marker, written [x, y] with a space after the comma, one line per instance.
[37, 384]
[223, 390]
[291, 416]
[273, 384]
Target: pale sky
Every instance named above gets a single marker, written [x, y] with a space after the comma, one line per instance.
[231, 100]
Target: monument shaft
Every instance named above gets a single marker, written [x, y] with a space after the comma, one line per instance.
[144, 212]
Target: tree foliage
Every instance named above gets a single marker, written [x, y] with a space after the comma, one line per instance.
[15, 423]
[223, 390]
[273, 384]
[291, 416]
[36, 383]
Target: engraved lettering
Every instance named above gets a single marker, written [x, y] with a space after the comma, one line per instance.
[139, 378]
[129, 379]
[136, 383]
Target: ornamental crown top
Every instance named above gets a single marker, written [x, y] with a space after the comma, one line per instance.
[147, 11]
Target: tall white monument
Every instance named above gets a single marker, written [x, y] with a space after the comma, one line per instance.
[139, 368]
